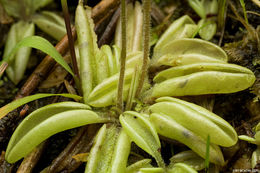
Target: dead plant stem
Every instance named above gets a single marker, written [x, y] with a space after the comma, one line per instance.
[123, 57]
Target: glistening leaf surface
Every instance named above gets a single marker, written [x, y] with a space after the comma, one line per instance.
[104, 94]
[110, 151]
[199, 67]
[214, 82]
[168, 127]
[143, 133]
[88, 49]
[185, 46]
[182, 168]
[190, 115]
[174, 31]
[188, 157]
[139, 164]
[41, 114]
[46, 128]
[50, 23]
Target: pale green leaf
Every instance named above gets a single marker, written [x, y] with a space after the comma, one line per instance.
[151, 170]
[177, 51]
[208, 29]
[139, 164]
[88, 49]
[255, 157]
[189, 115]
[37, 116]
[168, 127]
[143, 133]
[29, 137]
[199, 67]
[190, 158]
[214, 82]
[111, 65]
[104, 94]
[198, 7]
[50, 23]
[182, 168]
[257, 127]
[110, 151]
[18, 60]
[138, 28]
[247, 138]
[40, 3]
[23, 9]
[176, 30]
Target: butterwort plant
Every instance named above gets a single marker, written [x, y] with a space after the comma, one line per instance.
[190, 63]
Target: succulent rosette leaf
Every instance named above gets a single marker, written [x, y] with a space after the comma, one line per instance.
[181, 168]
[40, 125]
[217, 78]
[110, 151]
[188, 51]
[178, 119]
[142, 132]
[190, 158]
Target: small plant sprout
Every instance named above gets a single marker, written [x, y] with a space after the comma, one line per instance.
[256, 140]
[207, 10]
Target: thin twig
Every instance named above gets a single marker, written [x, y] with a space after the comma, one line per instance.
[79, 144]
[3, 67]
[157, 14]
[31, 160]
[109, 29]
[70, 37]
[123, 57]
[253, 12]
[102, 8]
[105, 36]
[102, 23]
[146, 46]
[257, 2]
[250, 29]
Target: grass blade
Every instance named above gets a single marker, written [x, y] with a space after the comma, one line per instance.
[43, 45]
[244, 10]
[207, 155]
[17, 103]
